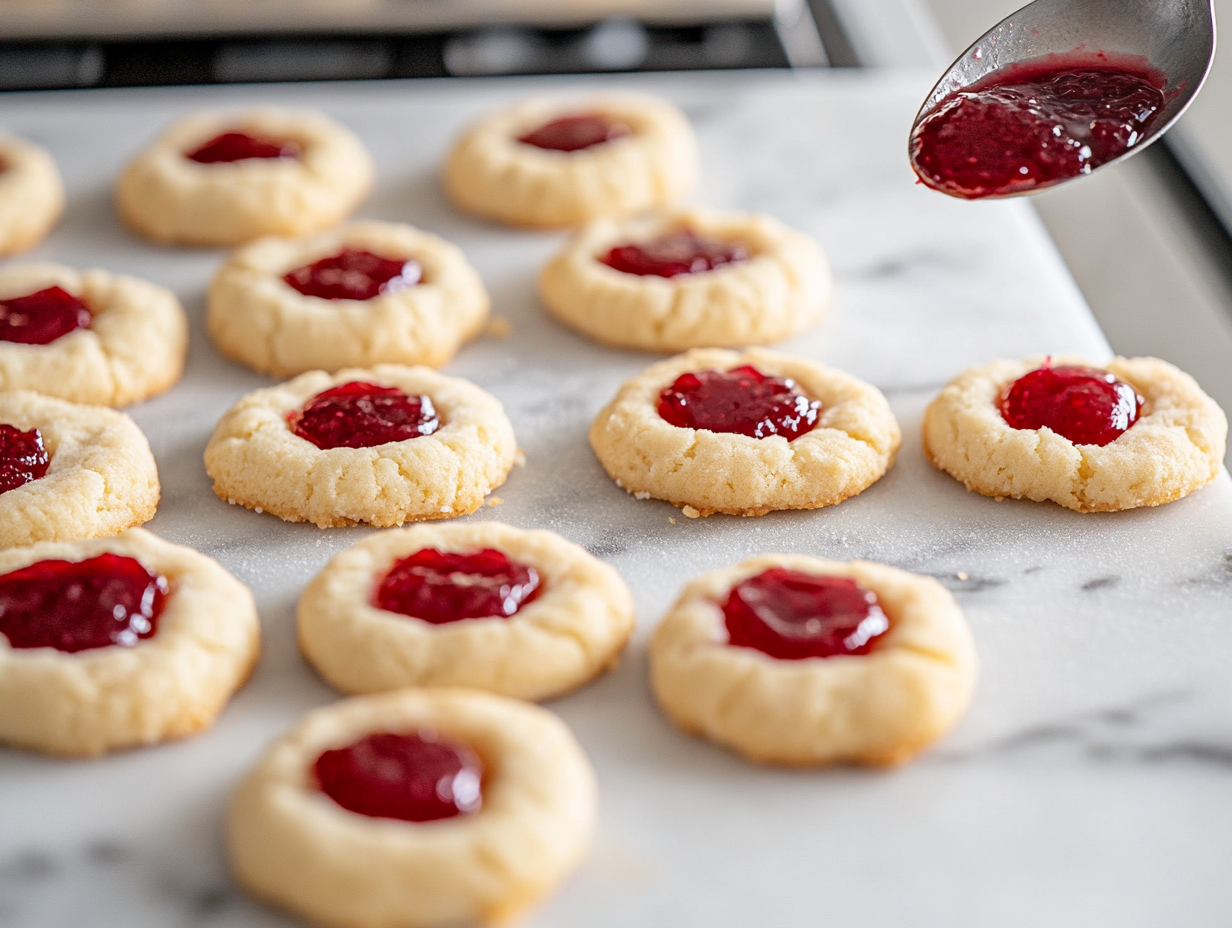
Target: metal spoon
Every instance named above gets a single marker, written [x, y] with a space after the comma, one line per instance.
[1176, 36]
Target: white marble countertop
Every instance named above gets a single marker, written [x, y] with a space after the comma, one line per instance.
[1091, 784]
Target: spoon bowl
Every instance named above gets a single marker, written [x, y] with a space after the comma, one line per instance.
[1176, 38]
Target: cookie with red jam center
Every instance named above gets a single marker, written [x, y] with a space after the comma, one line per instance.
[230, 147]
[1086, 405]
[742, 401]
[440, 587]
[23, 458]
[1129, 433]
[789, 659]
[673, 254]
[417, 777]
[104, 601]
[42, 317]
[354, 274]
[361, 415]
[793, 616]
[745, 434]
[575, 133]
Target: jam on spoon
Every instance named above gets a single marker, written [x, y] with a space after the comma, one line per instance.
[1085, 405]
[418, 777]
[361, 415]
[1034, 124]
[791, 616]
[742, 400]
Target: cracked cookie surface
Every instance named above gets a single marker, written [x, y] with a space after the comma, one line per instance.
[166, 686]
[782, 288]
[573, 630]
[133, 349]
[1175, 447]
[100, 480]
[257, 461]
[167, 197]
[879, 708]
[31, 194]
[491, 173]
[258, 319]
[292, 845]
[852, 445]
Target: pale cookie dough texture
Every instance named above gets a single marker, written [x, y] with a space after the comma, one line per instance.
[1175, 447]
[880, 708]
[490, 173]
[783, 288]
[31, 195]
[574, 630]
[258, 319]
[256, 460]
[292, 845]
[167, 686]
[851, 448]
[133, 349]
[101, 478]
[167, 198]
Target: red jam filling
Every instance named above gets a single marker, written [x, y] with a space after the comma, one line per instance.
[354, 274]
[440, 587]
[1085, 405]
[240, 146]
[42, 317]
[77, 606]
[361, 415]
[22, 457]
[673, 254]
[574, 133]
[792, 616]
[743, 400]
[414, 778]
[1035, 124]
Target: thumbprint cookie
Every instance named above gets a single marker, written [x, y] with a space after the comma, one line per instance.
[31, 194]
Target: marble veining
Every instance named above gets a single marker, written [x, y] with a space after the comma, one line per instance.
[1089, 784]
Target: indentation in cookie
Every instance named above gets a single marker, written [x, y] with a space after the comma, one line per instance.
[1086, 405]
[674, 253]
[354, 274]
[362, 415]
[742, 401]
[575, 133]
[23, 457]
[39, 318]
[229, 147]
[441, 587]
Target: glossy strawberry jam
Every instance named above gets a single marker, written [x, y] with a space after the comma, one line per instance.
[441, 587]
[241, 146]
[40, 318]
[361, 415]
[78, 606]
[674, 254]
[1035, 124]
[1085, 405]
[792, 616]
[419, 777]
[742, 400]
[354, 274]
[575, 133]
[22, 457]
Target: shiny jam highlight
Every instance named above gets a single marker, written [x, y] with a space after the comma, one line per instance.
[23, 458]
[363, 415]
[81, 605]
[440, 587]
[742, 400]
[792, 616]
[1035, 124]
[675, 254]
[354, 274]
[1085, 405]
[230, 147]
[40, 318]
[417, 777]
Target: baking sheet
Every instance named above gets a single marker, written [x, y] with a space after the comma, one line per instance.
[1089, 784]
